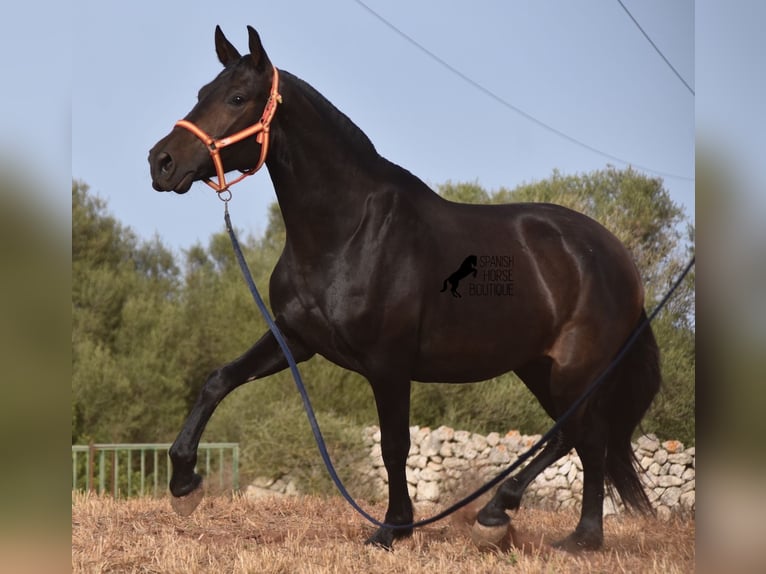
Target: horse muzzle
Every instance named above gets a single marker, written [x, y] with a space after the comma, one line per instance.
[166, 173]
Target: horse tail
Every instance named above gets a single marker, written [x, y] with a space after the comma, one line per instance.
[444, 287]
[635, 382]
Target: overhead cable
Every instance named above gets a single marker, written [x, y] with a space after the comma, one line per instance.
[510, 106]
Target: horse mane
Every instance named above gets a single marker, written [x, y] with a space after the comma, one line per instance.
[333, 114]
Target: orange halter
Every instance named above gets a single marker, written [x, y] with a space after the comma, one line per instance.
[261, 128]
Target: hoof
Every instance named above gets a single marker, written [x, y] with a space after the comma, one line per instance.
[490, 537]
[185, 505]
[575, 543]
[384, 537]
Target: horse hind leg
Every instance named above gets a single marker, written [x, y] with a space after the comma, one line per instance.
[557, 382]
[493, 522]
[591, 448]
[603, 444]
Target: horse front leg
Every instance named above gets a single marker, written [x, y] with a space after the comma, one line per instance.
[262, 359]
[393, 404]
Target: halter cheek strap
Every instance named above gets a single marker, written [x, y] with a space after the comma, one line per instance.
[260, 129]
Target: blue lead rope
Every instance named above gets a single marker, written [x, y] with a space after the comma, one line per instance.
[489, 485]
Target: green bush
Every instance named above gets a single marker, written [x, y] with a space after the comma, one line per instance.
[268, 420]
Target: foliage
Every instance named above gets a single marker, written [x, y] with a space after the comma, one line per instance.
[149, 325]
[124, 301]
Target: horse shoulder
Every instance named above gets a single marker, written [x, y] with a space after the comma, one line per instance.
[284, 294]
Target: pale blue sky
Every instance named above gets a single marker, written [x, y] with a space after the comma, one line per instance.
[582, 68]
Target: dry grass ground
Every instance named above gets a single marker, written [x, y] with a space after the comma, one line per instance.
[315, 535]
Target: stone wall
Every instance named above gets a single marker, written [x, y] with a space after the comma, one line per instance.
[444, 464]
[440, 459]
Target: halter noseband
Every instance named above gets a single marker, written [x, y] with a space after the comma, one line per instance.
[259, 129]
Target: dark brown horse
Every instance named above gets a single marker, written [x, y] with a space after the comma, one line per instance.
[368, 246]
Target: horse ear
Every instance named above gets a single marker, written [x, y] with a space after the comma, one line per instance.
[227, 53]
[257, 53]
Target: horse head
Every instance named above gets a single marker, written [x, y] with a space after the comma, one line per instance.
[231, 105]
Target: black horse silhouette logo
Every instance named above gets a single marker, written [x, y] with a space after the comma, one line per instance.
[467, 267]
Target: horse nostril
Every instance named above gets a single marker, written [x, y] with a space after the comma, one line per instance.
[165, 162]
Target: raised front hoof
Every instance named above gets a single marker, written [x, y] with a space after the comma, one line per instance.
[577, 542]
[384, 537]
[186, 504]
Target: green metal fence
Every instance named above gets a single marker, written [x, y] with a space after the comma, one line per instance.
[126, 470]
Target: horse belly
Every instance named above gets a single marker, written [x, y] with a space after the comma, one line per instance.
[475, 340]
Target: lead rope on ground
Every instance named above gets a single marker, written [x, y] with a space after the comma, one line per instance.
[491, 483]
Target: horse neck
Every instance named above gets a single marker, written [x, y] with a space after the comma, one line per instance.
[322, 169]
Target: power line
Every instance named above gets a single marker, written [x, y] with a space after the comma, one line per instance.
[508, 105]
[688, 87]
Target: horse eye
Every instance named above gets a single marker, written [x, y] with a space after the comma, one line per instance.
[237, 100]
